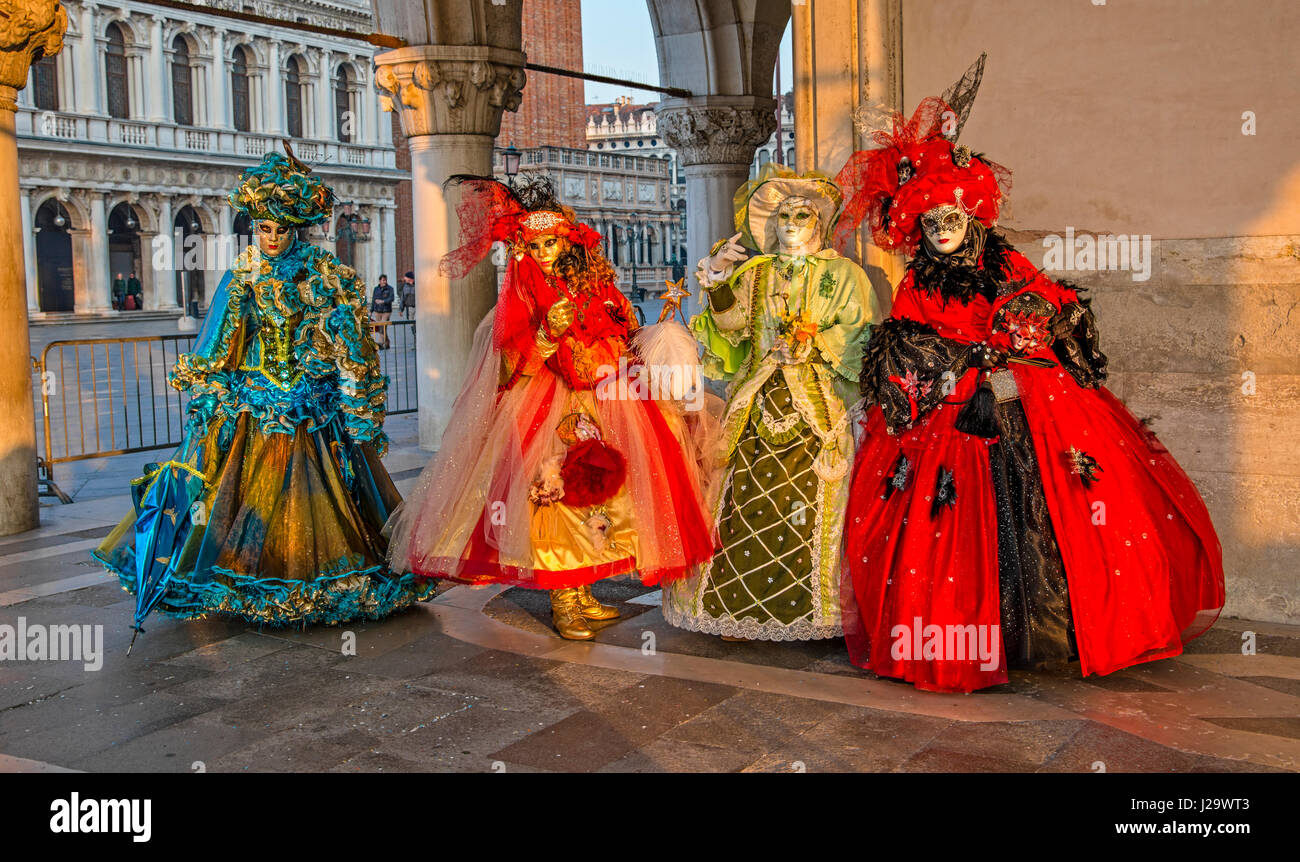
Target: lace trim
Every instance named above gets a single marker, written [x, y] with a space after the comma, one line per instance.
[772, 630]
[776, 431]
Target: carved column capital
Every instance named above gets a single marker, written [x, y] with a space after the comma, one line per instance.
[450, 89]
[29, 31]
[711, 130]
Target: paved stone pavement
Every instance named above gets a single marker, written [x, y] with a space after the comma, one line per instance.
[475, 681]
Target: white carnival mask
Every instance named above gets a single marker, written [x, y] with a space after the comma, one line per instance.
[944, 227]
[798, 229]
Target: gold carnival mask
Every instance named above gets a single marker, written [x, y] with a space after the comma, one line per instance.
[545, 249]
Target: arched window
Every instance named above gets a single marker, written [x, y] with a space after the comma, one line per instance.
[344, 121]
[119, 97]
[293, 97]
[239, 89]
[764, 156]
[789, 156]
[182, 103]
[55, 279]
[45, 80]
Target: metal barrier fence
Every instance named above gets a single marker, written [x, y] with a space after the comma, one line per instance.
[109, 396]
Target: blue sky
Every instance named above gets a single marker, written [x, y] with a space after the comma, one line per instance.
[617, 41]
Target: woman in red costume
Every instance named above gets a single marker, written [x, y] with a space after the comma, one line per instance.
[557, 469]
[1006, 509]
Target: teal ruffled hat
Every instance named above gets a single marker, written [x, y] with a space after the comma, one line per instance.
[282, 189]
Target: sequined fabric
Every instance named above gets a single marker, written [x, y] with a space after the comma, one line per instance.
[284, 434]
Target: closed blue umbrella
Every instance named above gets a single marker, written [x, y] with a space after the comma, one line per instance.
[164, 509]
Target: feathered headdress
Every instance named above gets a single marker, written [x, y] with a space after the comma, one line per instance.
[490, 211]
[916, 166]
[282, 189]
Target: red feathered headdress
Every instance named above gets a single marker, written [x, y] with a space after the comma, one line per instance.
[915, 168]
[490, 211]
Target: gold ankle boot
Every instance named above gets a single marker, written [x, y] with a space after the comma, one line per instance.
[567, 616]
[593, 609]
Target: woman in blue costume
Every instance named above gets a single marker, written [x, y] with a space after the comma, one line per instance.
[271, 509]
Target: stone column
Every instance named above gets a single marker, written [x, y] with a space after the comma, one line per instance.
[715, 137]
[325, 129]
[449, 99]
[372, 250]
[273, 120]
[90, 64]
[378, 130]
[100, 285]
[32, 29]
[29, 252]
[388, 251]
[835, 65]
[219, 115]
[310, 108]
[164, 280]
[158, 73]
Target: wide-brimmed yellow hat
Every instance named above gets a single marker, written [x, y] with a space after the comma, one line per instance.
[758, 200]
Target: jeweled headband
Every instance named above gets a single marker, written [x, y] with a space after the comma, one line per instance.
[543, 223]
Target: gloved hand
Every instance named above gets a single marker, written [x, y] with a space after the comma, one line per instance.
[983, 356]
[559, 316]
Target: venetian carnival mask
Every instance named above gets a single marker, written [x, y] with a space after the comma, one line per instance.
[797, 228]
[944, 228]
[545, 250]
[273, 238]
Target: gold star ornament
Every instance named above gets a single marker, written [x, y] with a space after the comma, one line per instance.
[672, 298]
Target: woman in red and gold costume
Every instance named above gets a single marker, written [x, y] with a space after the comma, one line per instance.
[1006, 509]
[557, 469]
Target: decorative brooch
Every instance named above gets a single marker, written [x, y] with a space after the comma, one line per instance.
[1084, 465]
[897, 480]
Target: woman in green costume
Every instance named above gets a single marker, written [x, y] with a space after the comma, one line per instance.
[786, 330]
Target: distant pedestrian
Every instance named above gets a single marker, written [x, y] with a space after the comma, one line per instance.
[119, 291]
[408, 295]
[381, 310]
[134, 293]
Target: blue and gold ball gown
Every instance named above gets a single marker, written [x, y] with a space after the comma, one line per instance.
[283, 495]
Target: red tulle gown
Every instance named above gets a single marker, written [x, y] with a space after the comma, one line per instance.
[1072, 532]
[554, 471]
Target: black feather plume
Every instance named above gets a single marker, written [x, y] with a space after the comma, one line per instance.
[945, 492]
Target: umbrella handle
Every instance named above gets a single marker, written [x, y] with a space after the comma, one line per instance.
[137, 631]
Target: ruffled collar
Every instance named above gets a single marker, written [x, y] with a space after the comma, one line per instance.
[976, 268]
[286, 265]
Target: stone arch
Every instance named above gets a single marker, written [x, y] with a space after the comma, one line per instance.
[126, 24]
[147, 217]
[309, 58]
[209, 218]
[357, 73]
[78, 212]
[192, 42]
[255, 51]
[718, 47]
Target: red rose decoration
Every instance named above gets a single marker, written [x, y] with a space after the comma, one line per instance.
[592, 471]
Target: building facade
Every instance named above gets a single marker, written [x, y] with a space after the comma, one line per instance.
[779, 147]
[626, 128]
[130, 139]
[622, 130]
[624, 197]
